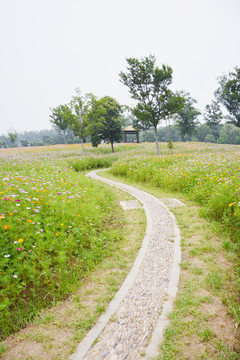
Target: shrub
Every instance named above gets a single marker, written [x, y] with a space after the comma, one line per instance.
[93, 162]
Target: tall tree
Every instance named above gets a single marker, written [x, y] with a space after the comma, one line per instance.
[61, 116]
[12, 136]
[149, 86]
[228, 94]
[186, 117]
[213, 116]
[105, 121]
[81, 105]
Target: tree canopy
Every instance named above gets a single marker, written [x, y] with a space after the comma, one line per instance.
[12, 136]
[105, 121]
[186, 117]
[81, 105]
[228, 94]
[149, 86]
[213, 116]
[61, 117]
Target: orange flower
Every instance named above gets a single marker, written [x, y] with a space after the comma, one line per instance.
[57, 234]
[29, 220]
[6, 227]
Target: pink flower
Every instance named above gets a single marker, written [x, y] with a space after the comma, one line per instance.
[19, 248]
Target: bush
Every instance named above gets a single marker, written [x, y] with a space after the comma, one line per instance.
[93, 162]
[209, 138]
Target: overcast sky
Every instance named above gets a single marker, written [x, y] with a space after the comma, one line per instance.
[50, 47]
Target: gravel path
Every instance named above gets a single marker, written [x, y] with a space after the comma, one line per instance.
[133, 324]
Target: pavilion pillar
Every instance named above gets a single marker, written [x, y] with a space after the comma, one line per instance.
[137, 137]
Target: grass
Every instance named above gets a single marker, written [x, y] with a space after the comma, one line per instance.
[93, 162]
[67, 323]
[55, 226]
[205, 321]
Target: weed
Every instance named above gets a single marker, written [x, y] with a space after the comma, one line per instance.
[214, 280]
[206, 335]
[3, 348]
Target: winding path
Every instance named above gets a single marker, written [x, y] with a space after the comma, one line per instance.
[132, 327]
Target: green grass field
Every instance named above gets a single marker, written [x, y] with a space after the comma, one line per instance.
[57, 226]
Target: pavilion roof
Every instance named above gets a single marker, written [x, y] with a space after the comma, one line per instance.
[129, 128]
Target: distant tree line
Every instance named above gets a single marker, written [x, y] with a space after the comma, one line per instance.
[36, 138]
[224, 134]
[87, 118]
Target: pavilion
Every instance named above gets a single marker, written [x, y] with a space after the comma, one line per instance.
[129, 130]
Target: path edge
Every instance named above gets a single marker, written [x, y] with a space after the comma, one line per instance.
[163, 320]
[93, 334]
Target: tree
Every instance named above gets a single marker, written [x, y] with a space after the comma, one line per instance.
[209, 138]
[105, 121]
[12, 136]
[186, 117]
[228, 94]
[213, 116]
[24, 142]
[229, 134]
[61, 116]
[148, 85]
[202, 131]
[141, 125]
[3, 143]
[81, 105]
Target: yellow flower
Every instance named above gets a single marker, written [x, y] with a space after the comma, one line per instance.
[6, 227]
[230, 204]
[20, 240]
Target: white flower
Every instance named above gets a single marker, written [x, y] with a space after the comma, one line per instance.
[6, 256]
[15, 276]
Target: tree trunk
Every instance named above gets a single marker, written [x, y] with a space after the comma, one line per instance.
[112, 147]
[156, 140]
[144, 135]
[83, 148]
[168, 130]
[64, 137]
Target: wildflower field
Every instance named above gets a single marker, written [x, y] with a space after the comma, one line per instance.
[55, 226]
[208, 174]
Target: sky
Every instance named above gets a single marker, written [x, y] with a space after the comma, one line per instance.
[48, 48]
